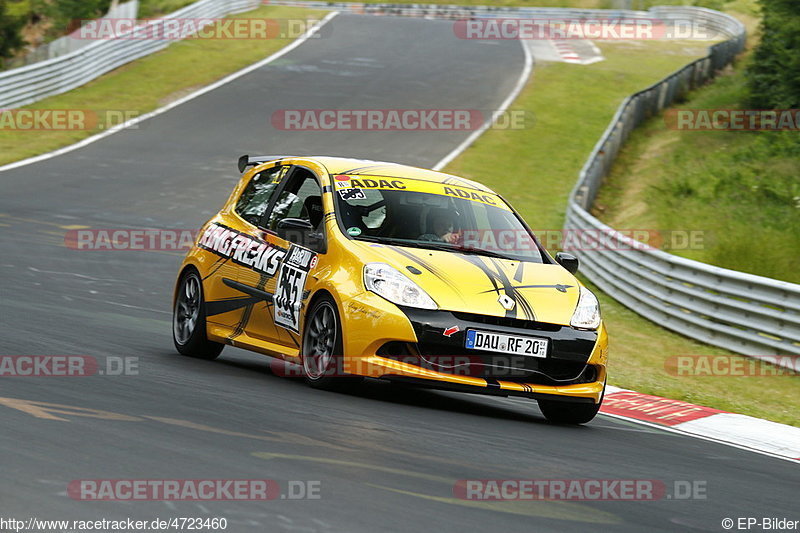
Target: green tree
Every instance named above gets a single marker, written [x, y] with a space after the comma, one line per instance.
[67, 15]
[773, 75]
[10, 37]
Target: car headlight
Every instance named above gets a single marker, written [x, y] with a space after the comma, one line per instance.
[587, 313]
[388, 282]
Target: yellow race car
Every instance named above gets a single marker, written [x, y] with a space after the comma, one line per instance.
[347, 268]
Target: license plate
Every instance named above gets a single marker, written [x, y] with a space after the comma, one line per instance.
[501, 342]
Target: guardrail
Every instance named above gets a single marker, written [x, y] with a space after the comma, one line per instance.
[70, 43]
[744, 313]
[25, 85]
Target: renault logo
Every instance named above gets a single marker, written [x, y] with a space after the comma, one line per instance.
[507, 303]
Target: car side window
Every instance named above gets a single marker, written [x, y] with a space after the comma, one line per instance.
[301, 198]
[256, 196]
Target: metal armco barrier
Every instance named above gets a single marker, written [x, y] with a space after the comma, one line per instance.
[25, 85]
[747, 314]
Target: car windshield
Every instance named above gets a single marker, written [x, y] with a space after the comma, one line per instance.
[425, 214]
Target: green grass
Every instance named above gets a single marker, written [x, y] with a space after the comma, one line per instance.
[739, 188]
[149, 83]
[157, 8]
[585, 4]
[536, 168]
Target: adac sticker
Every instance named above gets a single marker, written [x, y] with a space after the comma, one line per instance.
[354, 231]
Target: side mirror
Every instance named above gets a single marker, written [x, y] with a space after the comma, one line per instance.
[294, 230]
[568, 261]
[299, 231]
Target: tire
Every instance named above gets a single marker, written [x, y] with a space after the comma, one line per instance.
[569, 412]
[322, 347]
[189, 320]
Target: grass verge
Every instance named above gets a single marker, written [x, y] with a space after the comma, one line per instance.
[533, 168]
[580, 4]
[536, 168]
[737, 189]
[149, 83]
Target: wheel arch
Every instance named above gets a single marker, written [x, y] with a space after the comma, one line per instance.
[188, 267]
[314, 298]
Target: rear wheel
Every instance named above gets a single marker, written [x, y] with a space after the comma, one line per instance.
[322, 347]
[570, 412]
[189, 320]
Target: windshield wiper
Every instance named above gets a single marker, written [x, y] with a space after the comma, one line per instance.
[433, 245]
[480, 251]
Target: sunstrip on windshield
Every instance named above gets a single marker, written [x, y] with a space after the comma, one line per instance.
[349, 183]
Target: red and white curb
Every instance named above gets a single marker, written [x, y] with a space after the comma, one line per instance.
[747, 432]
[567, 53]
[576, 51]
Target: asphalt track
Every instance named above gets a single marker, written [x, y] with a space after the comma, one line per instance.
[387, 457]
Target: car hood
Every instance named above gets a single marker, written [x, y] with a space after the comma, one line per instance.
[483, 285]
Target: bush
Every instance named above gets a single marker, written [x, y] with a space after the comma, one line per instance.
[10, 37]
[773, 77]
[68, 14]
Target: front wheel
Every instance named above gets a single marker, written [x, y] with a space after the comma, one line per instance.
[322, 347]
[189, 320]
[569, 412]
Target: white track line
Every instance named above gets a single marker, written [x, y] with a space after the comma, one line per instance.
[236, 75]
[678, 431]
[523, 79]
[524, 76]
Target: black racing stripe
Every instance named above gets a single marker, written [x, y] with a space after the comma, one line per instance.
[258, 295]
[518, 275]
[359, 170]
[219, 264]
[219, 307]
[489, 274]
[515, 295]
[498, 279]
[239, 329]
[492, 383]
[424, 264]
[262, 295]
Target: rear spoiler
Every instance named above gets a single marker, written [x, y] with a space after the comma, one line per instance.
[253, 160]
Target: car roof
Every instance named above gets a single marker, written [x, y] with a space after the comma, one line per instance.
[366, 167]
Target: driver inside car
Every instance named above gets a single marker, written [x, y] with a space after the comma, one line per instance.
[441, 227]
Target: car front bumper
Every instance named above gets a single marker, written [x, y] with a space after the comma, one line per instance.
[427, 348]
